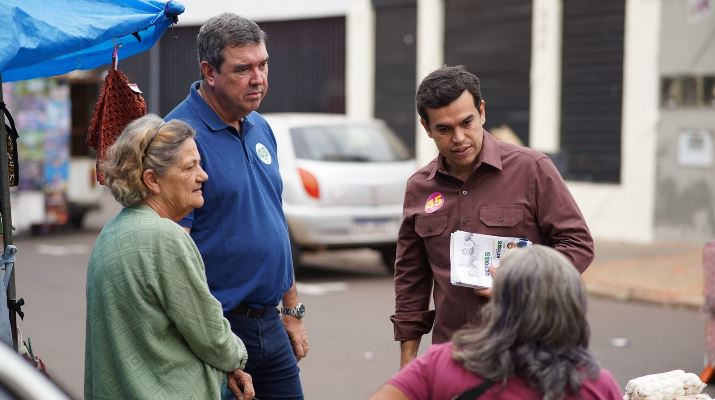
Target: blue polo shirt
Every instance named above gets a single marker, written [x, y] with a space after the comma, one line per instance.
[241, 230]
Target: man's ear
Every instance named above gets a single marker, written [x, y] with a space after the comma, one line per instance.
[483, 111]
[151, 182]
[207, 71]
[425, 125]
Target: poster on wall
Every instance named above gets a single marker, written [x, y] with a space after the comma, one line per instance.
[695, 148]
[41, 109]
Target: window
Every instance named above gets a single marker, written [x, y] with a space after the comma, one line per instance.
[687, 91]
[348, 143]
[709, 91]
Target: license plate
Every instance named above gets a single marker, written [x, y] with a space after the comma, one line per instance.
[365, 226]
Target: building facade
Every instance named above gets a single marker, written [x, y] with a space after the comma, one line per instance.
[619, 93]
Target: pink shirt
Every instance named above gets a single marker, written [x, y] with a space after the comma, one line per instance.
[437, 376]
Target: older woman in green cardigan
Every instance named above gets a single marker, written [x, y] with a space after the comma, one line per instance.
[154, 331]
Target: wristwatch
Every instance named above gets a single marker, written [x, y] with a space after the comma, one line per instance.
[297, 311]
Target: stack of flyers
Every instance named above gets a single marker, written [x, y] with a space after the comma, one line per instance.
[472, 254]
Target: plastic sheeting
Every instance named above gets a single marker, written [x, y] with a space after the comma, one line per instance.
[7, 263]
[5, 329]
[40, 38]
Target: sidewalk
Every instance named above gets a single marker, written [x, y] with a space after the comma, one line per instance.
[664, 273]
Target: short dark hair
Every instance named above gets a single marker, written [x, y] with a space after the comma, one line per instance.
[445, 85]
[226, 30]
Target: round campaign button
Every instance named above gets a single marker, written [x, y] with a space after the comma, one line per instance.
[434, 202]
[263, 153]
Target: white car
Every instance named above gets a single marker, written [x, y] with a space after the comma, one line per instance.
[343, 182]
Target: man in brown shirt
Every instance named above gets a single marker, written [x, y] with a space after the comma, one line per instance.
[476, 184]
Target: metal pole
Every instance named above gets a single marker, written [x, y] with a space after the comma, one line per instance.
[154, 79]
[709, 310]
[7, 221]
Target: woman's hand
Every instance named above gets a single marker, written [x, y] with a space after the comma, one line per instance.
[488, 291]
[241, 385]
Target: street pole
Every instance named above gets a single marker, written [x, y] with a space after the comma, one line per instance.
[7, 226]
[709, 311]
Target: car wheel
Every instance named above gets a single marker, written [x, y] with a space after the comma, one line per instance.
[388, 254]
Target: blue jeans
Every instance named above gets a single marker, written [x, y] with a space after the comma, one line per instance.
[271, 361]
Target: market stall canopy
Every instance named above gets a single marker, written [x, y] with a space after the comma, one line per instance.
[41, 38]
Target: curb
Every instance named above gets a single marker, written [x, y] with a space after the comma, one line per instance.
[671, 277]
[655, 296]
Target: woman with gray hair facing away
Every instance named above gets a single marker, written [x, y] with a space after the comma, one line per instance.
[154, 331]
[533, 343]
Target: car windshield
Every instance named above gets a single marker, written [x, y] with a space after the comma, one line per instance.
[348, 143]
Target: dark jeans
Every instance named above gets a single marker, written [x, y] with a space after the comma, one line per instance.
[271, 361]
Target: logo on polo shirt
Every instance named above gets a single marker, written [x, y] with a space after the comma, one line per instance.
[435, 201]
[263, 153]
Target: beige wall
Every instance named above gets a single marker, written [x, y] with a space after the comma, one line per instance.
[685, 195]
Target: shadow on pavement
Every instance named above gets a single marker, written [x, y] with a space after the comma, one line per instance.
[362, 264]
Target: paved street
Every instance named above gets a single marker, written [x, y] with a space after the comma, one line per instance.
[348, 298]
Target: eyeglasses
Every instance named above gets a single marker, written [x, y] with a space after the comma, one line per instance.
[153, 136]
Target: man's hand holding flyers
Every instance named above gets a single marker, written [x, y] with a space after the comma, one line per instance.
[475, 257]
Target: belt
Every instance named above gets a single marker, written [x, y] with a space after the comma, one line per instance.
[250, 312]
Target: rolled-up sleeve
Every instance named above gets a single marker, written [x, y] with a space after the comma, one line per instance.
[413, 280]
[559, 217]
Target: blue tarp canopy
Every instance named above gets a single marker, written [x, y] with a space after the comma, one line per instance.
[40, 38]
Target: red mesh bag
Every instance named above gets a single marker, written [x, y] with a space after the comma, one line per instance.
[117, 106]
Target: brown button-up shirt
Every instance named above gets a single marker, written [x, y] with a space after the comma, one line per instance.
[513, 191]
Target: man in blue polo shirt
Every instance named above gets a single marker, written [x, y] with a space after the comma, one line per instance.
[241, 230]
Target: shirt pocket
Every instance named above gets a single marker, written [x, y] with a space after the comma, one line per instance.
[431, 228]
[503, 220]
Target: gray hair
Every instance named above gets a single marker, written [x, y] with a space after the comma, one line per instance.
[226, 30]
[146, 143]
[534, 327]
